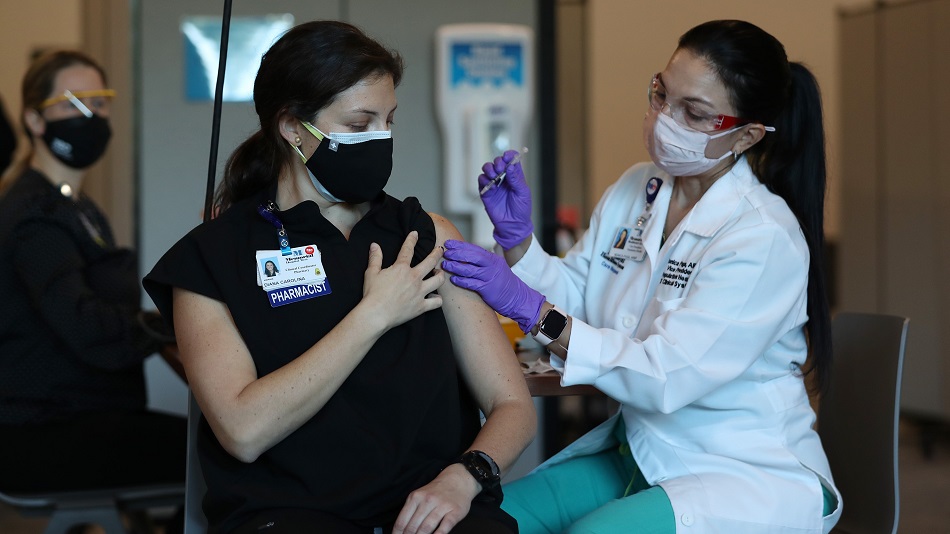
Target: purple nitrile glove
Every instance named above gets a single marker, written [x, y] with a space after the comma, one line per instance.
[509, 203]
[487, 274]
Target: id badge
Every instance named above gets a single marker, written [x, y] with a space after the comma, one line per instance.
[628, 244]
[289, 278]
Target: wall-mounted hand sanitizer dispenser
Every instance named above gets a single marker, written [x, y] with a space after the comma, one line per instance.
[485, 98]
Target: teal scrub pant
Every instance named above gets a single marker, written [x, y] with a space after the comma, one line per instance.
[602, 493]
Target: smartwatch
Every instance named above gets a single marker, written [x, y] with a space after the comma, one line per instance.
[486, 473]
[551, 326]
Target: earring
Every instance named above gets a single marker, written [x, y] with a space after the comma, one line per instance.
[297, 140]
[297, 150]
[736, 154]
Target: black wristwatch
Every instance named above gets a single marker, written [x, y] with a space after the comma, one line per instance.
[486, 472]
[551, 326]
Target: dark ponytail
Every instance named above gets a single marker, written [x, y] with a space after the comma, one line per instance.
[765, 87]
[300, 74]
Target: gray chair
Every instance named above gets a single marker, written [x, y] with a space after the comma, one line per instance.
[104, 507]
[195, 520]
[858, 419]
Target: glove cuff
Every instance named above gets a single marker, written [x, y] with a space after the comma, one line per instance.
[532, 309]
[510, 240]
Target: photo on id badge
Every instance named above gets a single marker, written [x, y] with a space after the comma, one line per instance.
[269, 267]
[627, 244]
[621, 238]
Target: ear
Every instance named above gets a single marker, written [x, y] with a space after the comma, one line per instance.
[290, 128]
[751, 134]
[34, 122]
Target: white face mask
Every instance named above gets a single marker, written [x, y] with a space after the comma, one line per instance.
[677, 149]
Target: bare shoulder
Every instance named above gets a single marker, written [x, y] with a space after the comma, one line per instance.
[444, 229]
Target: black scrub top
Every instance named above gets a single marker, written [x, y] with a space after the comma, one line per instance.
[399, 418]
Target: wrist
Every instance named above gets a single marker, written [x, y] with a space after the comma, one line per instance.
[552, 326]
[510, 240]
[372, 319]
[471, 484]
[545, 307]
[533, 309]
[485, 472]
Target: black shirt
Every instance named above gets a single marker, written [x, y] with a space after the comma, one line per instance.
[398, 419]
[69, 339]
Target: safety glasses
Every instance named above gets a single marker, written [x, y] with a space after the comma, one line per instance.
[687, 114]
[86, 102]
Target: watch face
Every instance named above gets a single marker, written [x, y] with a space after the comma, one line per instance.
[482, 467]
[553, 324]
[485, 464]
[486, 472]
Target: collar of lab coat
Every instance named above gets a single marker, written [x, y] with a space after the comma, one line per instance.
[721, 200]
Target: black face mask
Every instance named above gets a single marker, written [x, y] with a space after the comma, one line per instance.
[355, 172]
[79, 141]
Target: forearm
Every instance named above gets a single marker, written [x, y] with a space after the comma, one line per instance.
[507, 431]
[514, 254]
[250, 414]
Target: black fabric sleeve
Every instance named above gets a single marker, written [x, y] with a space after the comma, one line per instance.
[183, 266]
[99, 323]
[413, 217]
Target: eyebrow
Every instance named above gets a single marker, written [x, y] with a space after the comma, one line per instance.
[369, 112]
[690, 99]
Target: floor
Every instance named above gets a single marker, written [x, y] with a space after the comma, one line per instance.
[924, 483]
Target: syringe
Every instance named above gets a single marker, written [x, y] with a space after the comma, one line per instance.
[497, 180]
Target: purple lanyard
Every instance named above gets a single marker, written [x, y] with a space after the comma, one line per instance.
[267, 212]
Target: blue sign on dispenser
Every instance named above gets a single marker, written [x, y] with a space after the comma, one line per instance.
[485, 62]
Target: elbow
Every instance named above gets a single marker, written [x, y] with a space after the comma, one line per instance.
[243, 444]
[242, 452]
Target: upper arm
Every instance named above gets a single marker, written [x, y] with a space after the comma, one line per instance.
[486, 358]
[216, 360]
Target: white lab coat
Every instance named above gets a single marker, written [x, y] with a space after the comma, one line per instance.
[701, 344]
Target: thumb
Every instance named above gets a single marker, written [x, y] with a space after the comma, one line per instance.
[375, 259]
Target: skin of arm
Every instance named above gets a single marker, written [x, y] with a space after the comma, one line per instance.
[492, 372]
[250, 414]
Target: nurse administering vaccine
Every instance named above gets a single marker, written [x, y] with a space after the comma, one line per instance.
[694, 299]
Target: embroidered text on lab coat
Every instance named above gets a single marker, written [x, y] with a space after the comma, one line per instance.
[677, 273]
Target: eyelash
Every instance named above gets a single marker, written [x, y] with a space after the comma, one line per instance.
[688, 108]
[363, 127]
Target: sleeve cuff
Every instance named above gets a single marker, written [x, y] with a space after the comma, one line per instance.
[532, 257]
[583, 356]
